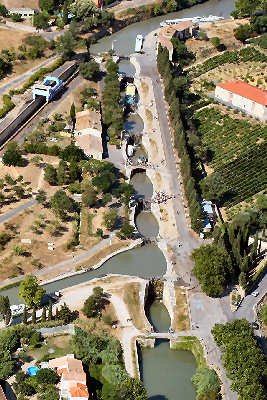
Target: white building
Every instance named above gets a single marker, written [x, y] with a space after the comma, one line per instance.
[23, 12]
[247, 98]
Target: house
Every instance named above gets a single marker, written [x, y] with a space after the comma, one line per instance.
[23, 12]
[183, 30]
[88, 133]
[247, 98]
[72, 384]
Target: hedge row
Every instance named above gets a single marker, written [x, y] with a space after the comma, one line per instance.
[8, 105]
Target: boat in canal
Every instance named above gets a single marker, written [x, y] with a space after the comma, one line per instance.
[138, 43]
[195, 20]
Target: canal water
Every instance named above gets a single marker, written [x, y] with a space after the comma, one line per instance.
[167, 373]
[127, 68]
[147, 224]
[124, 40]
[134, 124]
[145, 261]
[158, 316]
[142, 185]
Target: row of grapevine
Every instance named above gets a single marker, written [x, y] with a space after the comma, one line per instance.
[228, 57]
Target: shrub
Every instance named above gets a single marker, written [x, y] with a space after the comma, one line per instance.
[8, 104]
[206, 379]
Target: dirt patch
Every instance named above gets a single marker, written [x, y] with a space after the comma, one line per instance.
[9, 38]
[181, 317]
[36, 254]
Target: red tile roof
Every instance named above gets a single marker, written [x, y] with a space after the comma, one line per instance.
[245, 90]
[79, 390]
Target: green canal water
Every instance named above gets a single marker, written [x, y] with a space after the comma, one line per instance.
[145, 261]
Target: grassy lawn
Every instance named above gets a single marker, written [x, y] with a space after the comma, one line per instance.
[131, 298]
[60, 345]
[181, 318]
[191, 343]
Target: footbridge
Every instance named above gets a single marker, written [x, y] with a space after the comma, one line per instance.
[168, 335]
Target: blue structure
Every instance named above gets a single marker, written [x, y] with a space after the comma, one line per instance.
[32, 371]
[47, 88]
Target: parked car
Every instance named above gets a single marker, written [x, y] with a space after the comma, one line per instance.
[255, 294]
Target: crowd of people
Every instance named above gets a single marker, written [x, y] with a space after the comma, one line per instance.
[162, 197]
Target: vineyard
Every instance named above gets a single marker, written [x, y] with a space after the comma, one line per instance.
[228, 57]
[237, 150]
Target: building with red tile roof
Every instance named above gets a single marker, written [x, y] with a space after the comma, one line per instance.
[183, 30]
[248, 98]
[72, 384]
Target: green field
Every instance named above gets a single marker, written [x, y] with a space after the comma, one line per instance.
[238, 152]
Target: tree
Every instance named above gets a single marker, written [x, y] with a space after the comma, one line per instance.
[65, 314]
[94, 304]
[127, 230]
[72, 153]
[212, 268]
[90, 70]
[88, 195]
[243, 32]
[34, 315]
[40, 21]
[83, 8]
[41, 196]
[12, 155]
[43, 314]
[3, 10]
[112, 67]
[110, 217]
[206, 379]
[65, 45]
[36, 160]
[61, 204]
[74, 171]
[244, 8]
[4, 306]
[50, 311]
[47, 5]
[50, 174]
[62, 173]
[73, 116]
[30, 291]
[47, 376]
[65, 12]
[213, 187]
[128, 389]
[215, 41]
[104, 181]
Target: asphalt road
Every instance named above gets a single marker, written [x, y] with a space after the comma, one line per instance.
[12, 213]
[17, 82]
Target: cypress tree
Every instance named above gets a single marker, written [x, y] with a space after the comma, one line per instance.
[44, 314]
[65, 12]
[57, 314]
[34, 315]
[50, 311]
[8, 316]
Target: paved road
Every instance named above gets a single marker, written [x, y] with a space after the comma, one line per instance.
[17, 82]
[203, 310]
[148, 67]
[12, 213]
